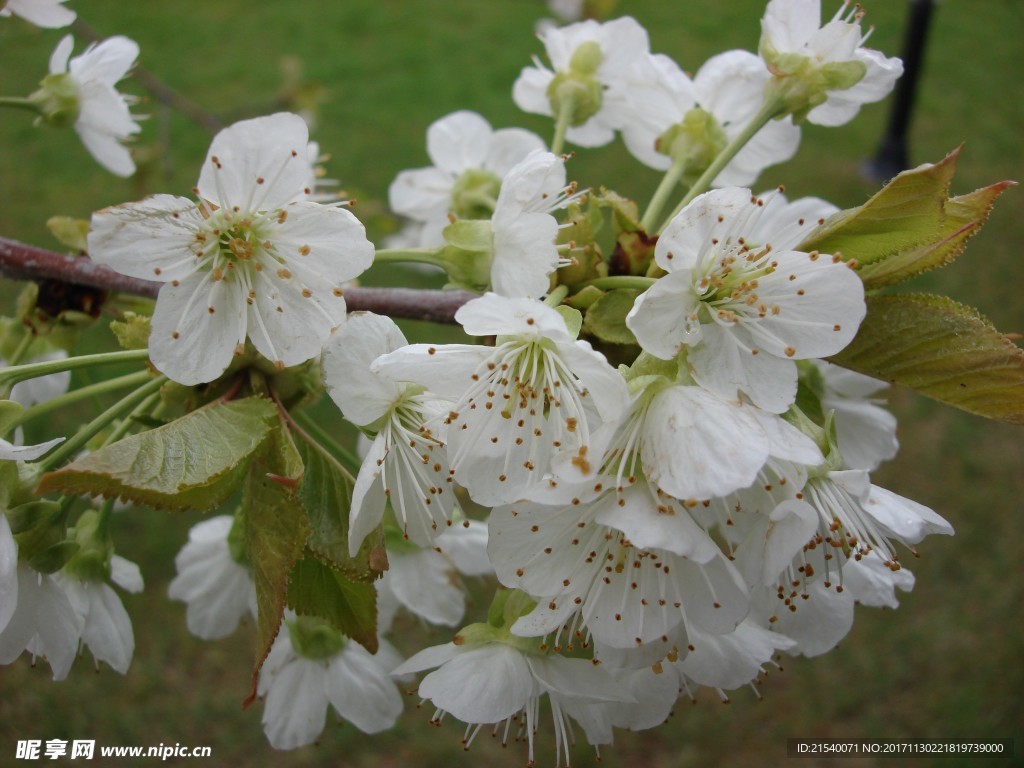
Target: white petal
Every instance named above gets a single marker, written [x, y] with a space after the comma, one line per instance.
[661, 318]
[459, 141]
[492, 315]
[11, 452]
[905, 518]
[465, 543]
[423, 194]
[710, 217]
[360, 691]
[481, 685]
[8, 572]
[326, 246]
[428, 658]
[368, 499]
[423, 582]
[43, 13]
[731, 660]
[296, 705]
[126, 574]
[270, 148]
[107, 62]
[60, 55]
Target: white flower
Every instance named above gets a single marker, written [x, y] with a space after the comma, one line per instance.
[470, 159]
[595, 65]
[427, 581]
[217, 589]
[523, 228]
[103, 120]
[537, 393]
[696, 118]
[406, 464]
[741, 301]
[253, 258]
[43, 623]
[866, 432]
[823, 70]
[730, 660]
[495, 682]
[43, 13]
[106, 628]
[310, 667]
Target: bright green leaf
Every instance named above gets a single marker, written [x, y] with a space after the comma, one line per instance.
[351, 607]
[194, 462]
[606, 318]
[964, 217]
[942, 349]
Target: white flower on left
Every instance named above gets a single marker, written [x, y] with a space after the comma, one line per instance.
[103, 120]
[43, 13]
[253, 258]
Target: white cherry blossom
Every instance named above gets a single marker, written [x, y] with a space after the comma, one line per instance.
[102, 119]
[742, 302]
[44, 623]
[470, 160]
[254, 258]
[217, 590]
[537, 393]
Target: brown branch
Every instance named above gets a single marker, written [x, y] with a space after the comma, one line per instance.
[26, 262]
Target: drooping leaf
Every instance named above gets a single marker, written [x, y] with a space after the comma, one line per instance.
[351, 607]
[906, 213]
[942, 349]
[275, 532]
[964, 216]
[194, 462]
[606, 318]
[326, 495]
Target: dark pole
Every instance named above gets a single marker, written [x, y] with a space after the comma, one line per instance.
[892, 155]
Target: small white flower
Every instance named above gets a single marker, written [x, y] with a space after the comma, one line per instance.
[470, 160]
[254, 258]
[43, 13]
[537, 393]
[103, 120]
[482, 683]
[824, 69]
[43, 623]
[218, 590]
[725, 94]
[406, 464]
[298, 688]
[741, 301]
[596, 64]
[106, 628]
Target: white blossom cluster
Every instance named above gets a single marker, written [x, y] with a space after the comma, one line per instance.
[670, 524]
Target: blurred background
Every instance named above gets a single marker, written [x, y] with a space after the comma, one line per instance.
[372, 75]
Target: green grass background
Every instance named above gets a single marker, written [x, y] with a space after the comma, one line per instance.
[948, 663]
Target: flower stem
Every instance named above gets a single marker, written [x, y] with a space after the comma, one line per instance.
[418, 255]
[768, 110]
[20, 103]
[661, 194]
[75, 395]
[622, 281]
[566, 107]
[73, 445]
[22, 348]
[16, 373]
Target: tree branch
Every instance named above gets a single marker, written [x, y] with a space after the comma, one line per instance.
[26, 262]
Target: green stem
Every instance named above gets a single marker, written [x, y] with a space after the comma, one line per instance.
[16, 373]
[768, 110]
[23, 345]
[103, 524]
[20, 103]
[418, 255]
[566, 107]
[621, 281]
[68, 398]
[129, 421]
[73, 445]
[315, 431]
[661, 194]
[556, 296]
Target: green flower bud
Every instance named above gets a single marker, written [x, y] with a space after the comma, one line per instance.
[578, 88]
[695, 141]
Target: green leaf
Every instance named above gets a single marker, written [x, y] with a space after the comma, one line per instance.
[965, 215]
[275, 533]
[326, 495]
[351, 607]
[606, 318]
[906, 213]
[194, 462]
[942, 349]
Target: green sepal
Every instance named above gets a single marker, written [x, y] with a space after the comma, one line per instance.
[131, 331]
[69, 232]
[695, 141]
[58, 99]
[606, 318]
[468, 254]
[573, 319]
[625, 212]
[313, 638]
[194, 462]
[10, 412]
[315, 589]
[40, 529]
[942, 349]
[54, 558]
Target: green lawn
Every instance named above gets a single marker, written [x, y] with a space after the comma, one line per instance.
[947, 663]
